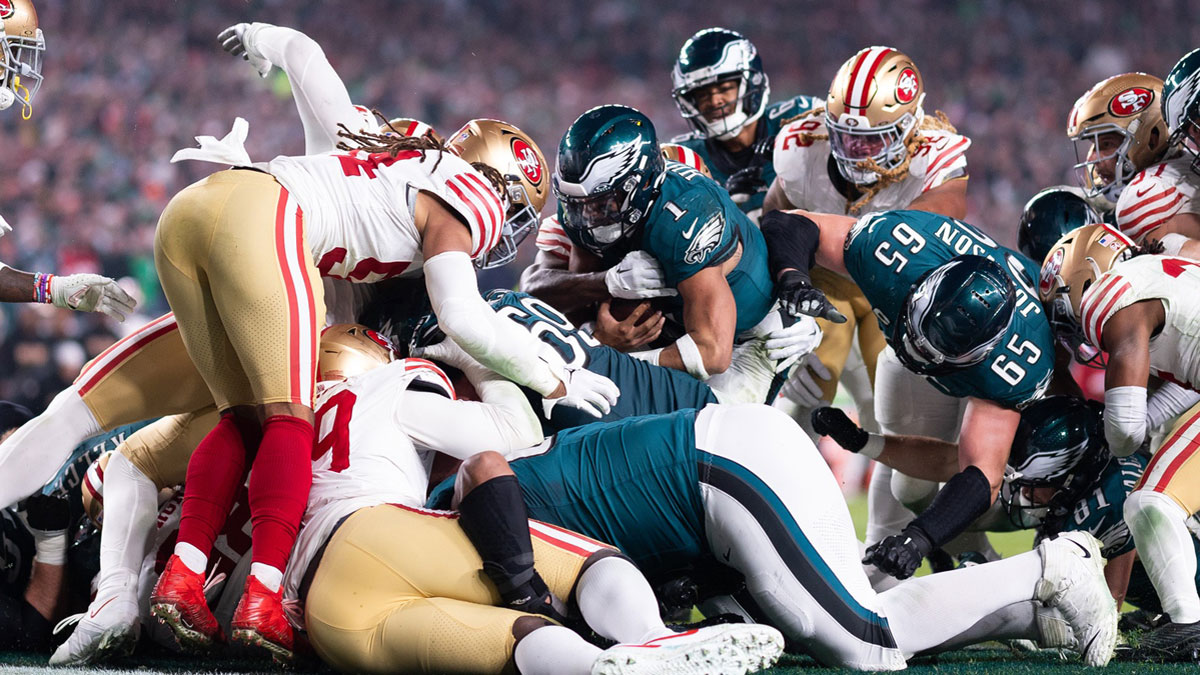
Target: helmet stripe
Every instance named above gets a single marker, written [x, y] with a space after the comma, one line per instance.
[860, 84]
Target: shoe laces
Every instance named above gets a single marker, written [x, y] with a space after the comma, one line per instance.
[69, 621]
[212, 581]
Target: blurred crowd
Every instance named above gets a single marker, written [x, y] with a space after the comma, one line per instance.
[129, 83]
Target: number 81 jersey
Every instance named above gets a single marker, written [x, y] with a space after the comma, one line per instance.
[887, 252]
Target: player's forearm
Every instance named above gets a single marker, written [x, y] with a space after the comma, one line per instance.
[920, 457]
[503, 424]
[514, 420]
[47, 588]
[17, 286]
[563, 289]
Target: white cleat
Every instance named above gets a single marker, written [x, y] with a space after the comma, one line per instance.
[108, 629]
[728, 649]
[1073, 582]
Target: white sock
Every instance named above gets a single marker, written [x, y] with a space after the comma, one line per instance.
[191, 557]
[618, 603]
[130, 510]
[928, 611]
[267, 575]
[554, 650]
[29, 458]
[1164, 546]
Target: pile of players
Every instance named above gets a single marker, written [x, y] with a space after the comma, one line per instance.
[628, 436]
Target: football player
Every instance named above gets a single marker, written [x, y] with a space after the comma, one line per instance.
[968, 342]
[1047, 216]
[21, 49]
[721, 89]
[741, 486]
[1159, 202]
[615, 195]
[870, 147]
[1139, 308]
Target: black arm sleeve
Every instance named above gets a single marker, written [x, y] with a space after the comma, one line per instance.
[791, 242]
[965, 497]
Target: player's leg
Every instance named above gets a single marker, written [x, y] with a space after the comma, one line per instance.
[1157, 511]
[774, 512]
[154, 457]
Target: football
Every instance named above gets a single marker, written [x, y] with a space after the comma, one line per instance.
[621, 308]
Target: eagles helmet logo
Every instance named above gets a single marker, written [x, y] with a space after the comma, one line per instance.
[706, 240]
[527, 160]
[6, 9]
[1131, 101]
[603, 171]
[906, 86]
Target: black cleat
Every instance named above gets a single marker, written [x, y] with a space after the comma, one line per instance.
[1172, 642]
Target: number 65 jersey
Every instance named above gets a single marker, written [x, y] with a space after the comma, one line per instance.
[887, 252]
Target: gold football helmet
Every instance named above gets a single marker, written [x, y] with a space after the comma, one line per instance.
[1073, 264]
[872, 113]
[1118, 129]
[348, 349]
[91, 488]
[407, 126]
[520, 161]
[673, 152]
[21, 48]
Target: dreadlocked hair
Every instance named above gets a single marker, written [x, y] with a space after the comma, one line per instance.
[806, 138]
[936, 122]
[394, 144]
[1148, 247]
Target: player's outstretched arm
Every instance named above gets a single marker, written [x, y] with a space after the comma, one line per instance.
[1126, 338]
[710, 317]
[947, 199]
[80, 292]
[568, 286]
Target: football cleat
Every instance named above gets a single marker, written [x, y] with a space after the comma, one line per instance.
[1171, 642]
[729, 649]
[108, 629]
[178, 601]
[1073, 582]
[260, 621]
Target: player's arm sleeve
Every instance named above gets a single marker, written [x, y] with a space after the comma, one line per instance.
[1147, 203]
[552, 240]
[320, 95]
[503, 421]
[948, 161]
[494, 341]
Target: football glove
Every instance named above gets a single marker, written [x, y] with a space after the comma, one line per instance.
[900, 554]
[238, 40]
[593, 394]
[802, 388]
[91, 293]
[745, 183]
[799, 297]
[786, 346]
[834, 423]
[638, 275]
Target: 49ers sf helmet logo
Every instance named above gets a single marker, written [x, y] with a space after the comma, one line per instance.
[907, 85]
[7, 9]
[526, 159]
[1131, 101]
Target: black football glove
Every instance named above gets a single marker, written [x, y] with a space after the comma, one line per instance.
[798, 297]
[47, 513]
[745, 183]
[900, 554]
[834, 423]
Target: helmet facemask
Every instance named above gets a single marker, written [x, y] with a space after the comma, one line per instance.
[520, 219]
[861, 150]
[20, 69]
[747, 107]
[1087, 167]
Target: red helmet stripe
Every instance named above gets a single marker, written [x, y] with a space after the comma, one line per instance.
[860, 83]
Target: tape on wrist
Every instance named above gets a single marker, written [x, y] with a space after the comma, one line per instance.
[50, 548]
[693, 362]
[874, 446]
[649, 356]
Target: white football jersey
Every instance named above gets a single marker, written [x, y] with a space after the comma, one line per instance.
[802, 167]
[363, 455]
[357, 208]
[1155, 194]
[1175, 351]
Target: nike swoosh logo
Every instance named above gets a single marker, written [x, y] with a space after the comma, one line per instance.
[1089, 644]
[687, 234]
[1142, 193]
[92, 614]
[1086, 553]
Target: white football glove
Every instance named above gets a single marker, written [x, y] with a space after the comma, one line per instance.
[238, 40]
[448, 352]
[638, 275]
[802, 388]
[593, 394]
[91, 293]
[785, 346]
[5, 228]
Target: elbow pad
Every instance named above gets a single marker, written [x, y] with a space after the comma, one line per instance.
[792, 241]
[1125, 419]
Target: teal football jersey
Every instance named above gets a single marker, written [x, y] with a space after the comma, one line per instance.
[1100, 511]
[887, 252]
[723, 163]
[693, 224]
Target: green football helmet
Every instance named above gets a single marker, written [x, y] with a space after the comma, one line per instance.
[715, 55]
[608, 174]
[954, 316]
[1181, 103]
[1049, 215]
[1059, 444]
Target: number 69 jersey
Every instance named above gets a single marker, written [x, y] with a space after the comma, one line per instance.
[887, 252]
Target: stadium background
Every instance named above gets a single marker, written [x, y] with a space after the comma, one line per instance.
[128, 83]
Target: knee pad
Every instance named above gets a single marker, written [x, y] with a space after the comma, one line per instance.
[913, 493]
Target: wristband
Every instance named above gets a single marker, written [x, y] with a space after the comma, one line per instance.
[689, 353]
[50, 547]
[41, 287]
[649, 356]
[874, 446]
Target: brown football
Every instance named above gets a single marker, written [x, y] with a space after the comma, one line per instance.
[621, 308]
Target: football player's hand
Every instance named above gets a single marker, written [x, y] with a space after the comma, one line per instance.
[786, 346]
[834, 423]
[5, 228]
[802, 388]
[238, 40]
[628, 335]
[799, 297]
[91, 293]
[447, 351]
[745, 183]
[638, 275]
[593, 394]
[900, 554]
